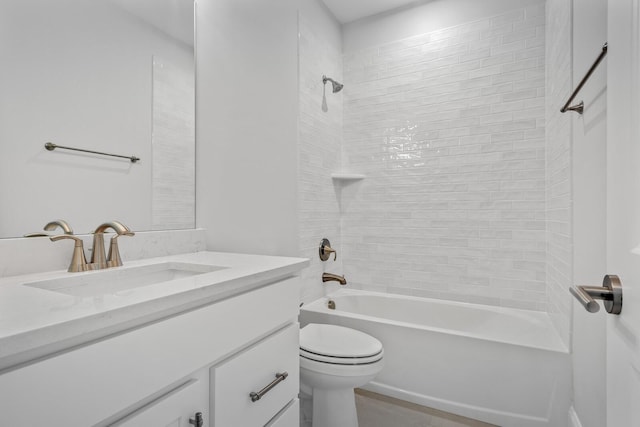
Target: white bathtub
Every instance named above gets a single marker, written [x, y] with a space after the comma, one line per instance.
[503, 366]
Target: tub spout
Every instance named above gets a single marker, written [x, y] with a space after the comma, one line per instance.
[328, 277]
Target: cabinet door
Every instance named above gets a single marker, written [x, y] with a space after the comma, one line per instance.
[174, 408]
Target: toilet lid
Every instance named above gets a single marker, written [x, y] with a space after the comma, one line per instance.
[337, 341]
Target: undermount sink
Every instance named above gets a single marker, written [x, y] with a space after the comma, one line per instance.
[111, 281]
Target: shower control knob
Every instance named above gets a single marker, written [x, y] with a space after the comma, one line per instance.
[325, 250]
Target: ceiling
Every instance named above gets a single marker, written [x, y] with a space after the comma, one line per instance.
[352, 10]
[173, 17]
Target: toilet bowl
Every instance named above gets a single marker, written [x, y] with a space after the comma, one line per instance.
[333, 361]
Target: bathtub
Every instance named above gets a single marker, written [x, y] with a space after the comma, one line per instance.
[503, 366]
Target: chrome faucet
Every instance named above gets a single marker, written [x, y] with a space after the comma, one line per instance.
[98, 259]
[329, 277]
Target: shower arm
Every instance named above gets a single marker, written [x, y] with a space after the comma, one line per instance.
[326, 79]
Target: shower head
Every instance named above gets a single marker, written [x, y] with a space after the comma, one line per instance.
[337, 87]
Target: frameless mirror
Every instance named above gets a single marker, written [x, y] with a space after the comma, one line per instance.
[113, 76]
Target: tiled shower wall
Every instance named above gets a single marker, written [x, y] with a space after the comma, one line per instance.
[449, 128]
[320, 141]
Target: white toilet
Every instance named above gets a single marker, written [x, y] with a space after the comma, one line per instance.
[333, 361]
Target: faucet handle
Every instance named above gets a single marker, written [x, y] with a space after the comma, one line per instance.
[113, 258]
[78, 260]
[36, 234]
[325, 250]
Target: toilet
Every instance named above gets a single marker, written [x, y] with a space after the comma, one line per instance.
[333, 361]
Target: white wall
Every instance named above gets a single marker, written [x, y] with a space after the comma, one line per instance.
[414, 20]
[558, 165]
[79, 74]
[576, 172]
[589, 161]
[246, 125]
[320, 142]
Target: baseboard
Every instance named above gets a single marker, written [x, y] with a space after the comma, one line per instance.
[574, 420]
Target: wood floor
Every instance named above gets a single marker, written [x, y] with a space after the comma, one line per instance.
[376, 410]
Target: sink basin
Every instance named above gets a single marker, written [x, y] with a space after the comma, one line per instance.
[111, 281]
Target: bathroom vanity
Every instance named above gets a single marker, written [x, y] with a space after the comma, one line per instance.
[208, 333]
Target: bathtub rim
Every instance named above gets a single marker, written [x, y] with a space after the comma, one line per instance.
[319, 306]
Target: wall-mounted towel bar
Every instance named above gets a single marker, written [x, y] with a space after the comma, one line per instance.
[51, 146]
[578, 108]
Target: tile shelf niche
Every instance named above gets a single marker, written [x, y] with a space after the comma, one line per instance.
[346, 176]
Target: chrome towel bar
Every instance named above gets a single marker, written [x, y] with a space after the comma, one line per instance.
[579, 108]
[51, 146]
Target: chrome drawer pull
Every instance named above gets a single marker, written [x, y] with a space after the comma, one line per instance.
[279, 378]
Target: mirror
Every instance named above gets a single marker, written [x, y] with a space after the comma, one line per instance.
[113, 76]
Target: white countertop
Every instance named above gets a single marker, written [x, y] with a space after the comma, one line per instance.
[38, 322]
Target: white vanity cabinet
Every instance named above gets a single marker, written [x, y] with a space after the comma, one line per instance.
[160, 374]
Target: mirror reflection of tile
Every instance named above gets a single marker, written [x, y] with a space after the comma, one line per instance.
[173, 141]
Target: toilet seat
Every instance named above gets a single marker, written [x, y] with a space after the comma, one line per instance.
[338, 345]
[341, 360]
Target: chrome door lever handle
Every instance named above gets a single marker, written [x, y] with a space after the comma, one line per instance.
[610, 293]
[198, 421]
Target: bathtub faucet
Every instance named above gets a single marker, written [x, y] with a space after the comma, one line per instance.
[329, 277]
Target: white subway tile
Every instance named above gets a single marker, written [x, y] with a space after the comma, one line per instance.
[449, 128]
[508, 47]
[509, 17]
[521, 94]
[519, 34]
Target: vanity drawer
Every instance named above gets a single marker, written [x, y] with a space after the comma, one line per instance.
[289, 417]
[233, 381]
